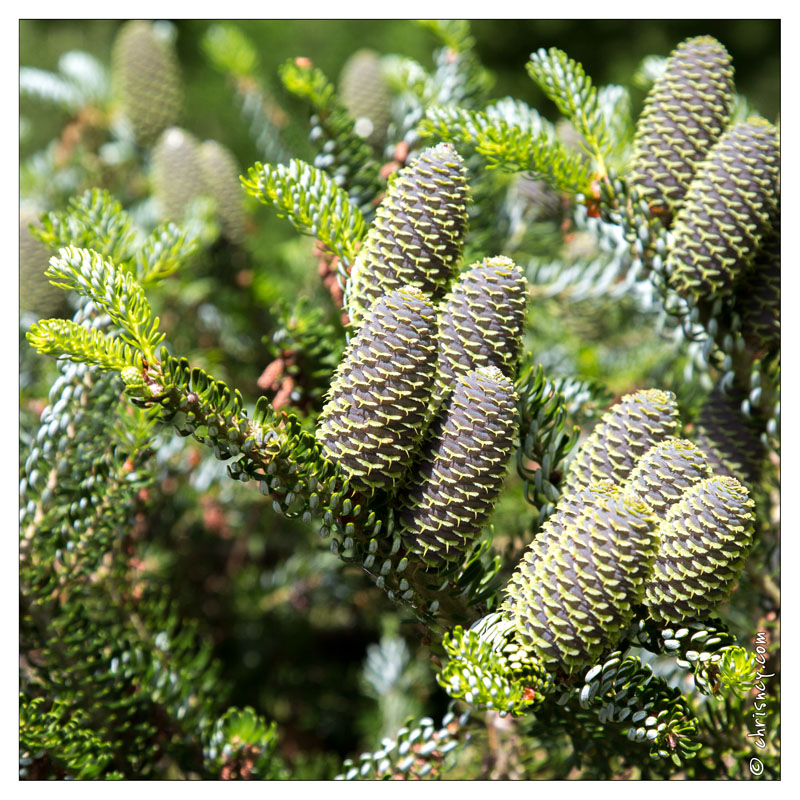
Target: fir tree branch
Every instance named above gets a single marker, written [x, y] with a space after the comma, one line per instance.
[162, 253]
[544, 442]
[486, 670]
[453, 33]
[233, 53]
[417, 751]
[114, 292]
[515, 141]
[60, 735]
[625, 692]
[230, 50]
[459, 78]
[344, 154]
[312, 201]
[564, 81]
[66, 339]
[242, 746]
[94, 221]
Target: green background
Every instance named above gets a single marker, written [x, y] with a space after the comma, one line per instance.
[610, 51]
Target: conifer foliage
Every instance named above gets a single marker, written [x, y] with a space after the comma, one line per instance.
[399, 455]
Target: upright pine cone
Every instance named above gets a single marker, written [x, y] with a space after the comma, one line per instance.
[221, 179]
[731, 440]
[567, 513]
[176, 173]
[480, 321]
[372, 421]
[365, 94]
[461, 470]
[574, 602]
[704, 541]
[625, 433]
[36, 294]
[417, 234]
[146, 80]
[758, 295]
[686, 111]
[666, 471]
[727, 211]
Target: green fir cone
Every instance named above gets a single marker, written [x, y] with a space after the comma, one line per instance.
[684, 114]
[36, 294]
[727, 212]
[365, 94]
[758, 296]
[176, 173]
[625, 433]
[221, 178]
[731, 440]
[417, 235]
[480, 320]
[703, 544]
[461, 470]
[373, 419]
[575, 602]
[567, 513]
[146, 79]
[666, 471]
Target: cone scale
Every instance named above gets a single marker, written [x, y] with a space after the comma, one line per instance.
[758, 297]
[728, 211]
[221, 178]
[685, 112]
[461, 470]
[480, 321]
[666, 471]
[176, 173]
[574, 602]
[416, 238]
[703, 544]
[366, 96]
[627, 431]
[146, 80]
[731, 440]
[373, 418]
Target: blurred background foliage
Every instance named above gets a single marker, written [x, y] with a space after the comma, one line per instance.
[610, 51]
[303, 640]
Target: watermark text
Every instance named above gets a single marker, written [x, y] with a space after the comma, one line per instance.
[758, 734]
